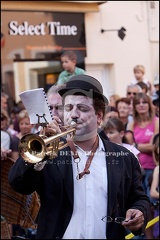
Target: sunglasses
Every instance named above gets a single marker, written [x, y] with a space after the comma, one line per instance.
[2, 118]
[129, 93]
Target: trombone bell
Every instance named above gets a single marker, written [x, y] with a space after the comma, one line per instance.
[33, 148]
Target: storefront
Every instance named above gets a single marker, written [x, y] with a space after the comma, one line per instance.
[32, 42]
[35, 33]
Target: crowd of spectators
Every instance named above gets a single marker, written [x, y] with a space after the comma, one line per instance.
[131, 120]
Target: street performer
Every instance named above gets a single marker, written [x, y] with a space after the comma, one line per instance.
[93, 188]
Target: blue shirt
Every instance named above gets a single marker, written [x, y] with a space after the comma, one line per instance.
[65, 75]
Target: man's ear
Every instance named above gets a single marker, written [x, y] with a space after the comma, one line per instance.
[99, 117]
[122, 134]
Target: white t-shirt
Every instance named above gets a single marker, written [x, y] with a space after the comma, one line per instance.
[131, 148]
[134, 81]
[5, 140]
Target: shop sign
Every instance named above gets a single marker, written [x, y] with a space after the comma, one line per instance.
[54, 28]
[33, 35]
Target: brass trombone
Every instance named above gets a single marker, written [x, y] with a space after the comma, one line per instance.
[33, 148]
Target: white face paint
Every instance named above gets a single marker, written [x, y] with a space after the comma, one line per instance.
[81, 108]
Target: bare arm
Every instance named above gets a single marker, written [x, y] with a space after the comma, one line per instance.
[145, 147]
[5, 153]
[130, 126]
[14, 155]
[148, 147]
[155, 183]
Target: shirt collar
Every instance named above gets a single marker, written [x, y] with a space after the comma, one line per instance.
[100, 147]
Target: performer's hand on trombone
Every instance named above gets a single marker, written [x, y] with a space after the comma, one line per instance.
[52, 128]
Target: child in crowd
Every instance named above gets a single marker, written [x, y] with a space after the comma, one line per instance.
[143, 86]
[154, 190]
[139, 72]
[115, 131]
[69, 61]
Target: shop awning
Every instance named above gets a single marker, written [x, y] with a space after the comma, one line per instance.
[56, 6]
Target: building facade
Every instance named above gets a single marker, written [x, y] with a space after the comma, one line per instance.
[34, 34]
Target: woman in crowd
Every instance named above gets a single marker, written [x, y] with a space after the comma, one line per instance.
[112, 100]
[25, 128]
[145, 126]
[122, 106]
